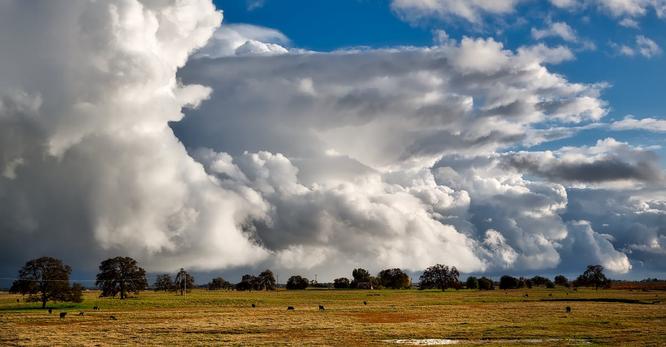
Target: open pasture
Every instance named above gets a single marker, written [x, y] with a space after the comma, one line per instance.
[390, 317]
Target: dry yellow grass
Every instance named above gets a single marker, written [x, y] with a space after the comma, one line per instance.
[227, 318]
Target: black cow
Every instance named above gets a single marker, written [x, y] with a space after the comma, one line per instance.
[113, 318]
[50, 311]
[253, 305]
[321, 307]
[568, 309]
[62, 315]
[290, 308]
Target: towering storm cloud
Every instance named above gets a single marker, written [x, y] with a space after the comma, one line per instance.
[90, 166]
[145, 128]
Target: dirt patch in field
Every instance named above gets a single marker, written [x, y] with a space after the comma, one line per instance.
[387, 317]
[620, 300]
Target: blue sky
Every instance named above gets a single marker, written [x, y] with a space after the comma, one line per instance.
[636, 84]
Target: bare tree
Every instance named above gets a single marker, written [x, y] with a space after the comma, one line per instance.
[184, 281]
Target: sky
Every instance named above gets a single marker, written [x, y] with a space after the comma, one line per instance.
[313, 137]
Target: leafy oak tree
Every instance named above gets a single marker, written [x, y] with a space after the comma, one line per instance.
[472, 283]
[441, 277]
[163, 283]
[560, 280]
[218, 283]
[297, 282]
[359, 276]
[509, 282]
[341, 283]
[593, 277]
[266, 280]
[120, 275]
[486, 284]
[46, 279]
[394, 279]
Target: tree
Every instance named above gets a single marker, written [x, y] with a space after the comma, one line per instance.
[508, 282]
[562, 281]
[266, 280]
[593, 276]
[341, 283]
[394, 279]
[524, 282]
[164, 283]
[248, 282]
[486, 284]
[539, 281]
[219, 283]
[184, 281]
[297, 282]
[359, 275]
[75, 293]
[440, 276]
[472, 283]
[44, 279]
[121, 275]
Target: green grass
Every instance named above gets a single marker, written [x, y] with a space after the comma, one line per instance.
[220, 317]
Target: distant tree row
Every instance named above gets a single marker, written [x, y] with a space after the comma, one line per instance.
[183, 282]
[592, 277]
[264, 281]
[362, 279]
[47, 279]
[482, 283]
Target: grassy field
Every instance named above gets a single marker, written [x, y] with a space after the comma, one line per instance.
[389, 318]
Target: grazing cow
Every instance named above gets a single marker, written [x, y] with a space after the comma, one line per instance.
[62, 315]
[550, 294]
[321, 307]
[50, 311]
[113, 318]
[568, 309]
[253, 305]
[96, 308]
[290, 308]
[81, 313]
[526, 295]
[365, 302]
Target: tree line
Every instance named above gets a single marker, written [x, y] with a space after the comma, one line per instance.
[47, 279]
